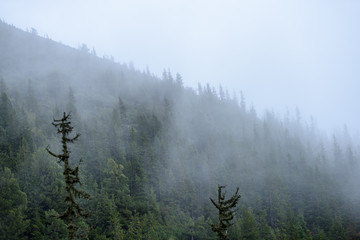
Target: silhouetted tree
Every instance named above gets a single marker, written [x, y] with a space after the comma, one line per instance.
[71, 175]
[226, 212]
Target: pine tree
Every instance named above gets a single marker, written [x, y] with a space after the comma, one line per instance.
[71, 175]
[226, 213]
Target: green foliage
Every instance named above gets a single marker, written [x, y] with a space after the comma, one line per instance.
[48, 192]
[115, 182]
[13, 204]
[13, 135]
[153, 151]
[265, 232]
[337, 230]
[249, 228]
[55, 228]
[144, 227]
[7, 111]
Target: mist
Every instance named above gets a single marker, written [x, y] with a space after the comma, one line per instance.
[281, 55]
[249, 98]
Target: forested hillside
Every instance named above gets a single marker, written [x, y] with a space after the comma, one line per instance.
[153, 153]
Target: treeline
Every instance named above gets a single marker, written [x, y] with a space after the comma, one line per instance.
[154, 153]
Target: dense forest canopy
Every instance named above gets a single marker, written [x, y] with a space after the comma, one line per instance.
[155, 151]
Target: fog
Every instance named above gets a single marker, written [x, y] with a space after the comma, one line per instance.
[254, 95]
[280, 54]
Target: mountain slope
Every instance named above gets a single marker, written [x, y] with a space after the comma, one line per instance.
[154, 152]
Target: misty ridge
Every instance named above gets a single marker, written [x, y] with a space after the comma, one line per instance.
[155, 151]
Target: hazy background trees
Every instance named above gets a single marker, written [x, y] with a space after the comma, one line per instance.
[155, 151]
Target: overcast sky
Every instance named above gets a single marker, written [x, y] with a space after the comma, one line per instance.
[280, 53]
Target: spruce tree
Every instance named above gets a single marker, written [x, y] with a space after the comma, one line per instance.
[71, 175]
[226, 213]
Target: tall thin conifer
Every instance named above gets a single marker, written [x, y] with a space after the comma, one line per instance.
[226, 213]
[71, 176]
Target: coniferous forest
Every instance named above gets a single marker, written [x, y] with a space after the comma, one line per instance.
[154, 152]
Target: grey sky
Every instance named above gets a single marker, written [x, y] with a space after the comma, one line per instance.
[279, 53]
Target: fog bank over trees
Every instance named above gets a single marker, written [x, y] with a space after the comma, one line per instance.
[154, 152]
[281, 54]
